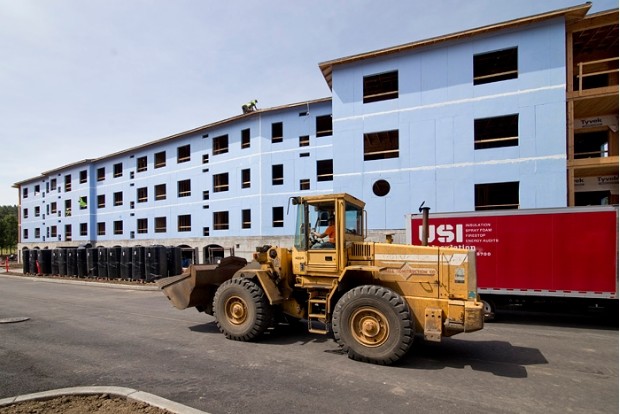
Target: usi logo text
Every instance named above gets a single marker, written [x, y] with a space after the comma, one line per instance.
[444, 233]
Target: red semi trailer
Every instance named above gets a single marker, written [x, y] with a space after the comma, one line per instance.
[534, 256]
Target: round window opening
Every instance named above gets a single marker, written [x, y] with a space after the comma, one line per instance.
[381, 188]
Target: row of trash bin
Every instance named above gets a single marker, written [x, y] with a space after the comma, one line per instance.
[144, 263]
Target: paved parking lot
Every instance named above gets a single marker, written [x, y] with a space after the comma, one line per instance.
[80, 335]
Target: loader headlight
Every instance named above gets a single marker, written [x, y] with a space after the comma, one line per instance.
[273, 254]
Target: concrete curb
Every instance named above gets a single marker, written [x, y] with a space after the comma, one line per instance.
[122, 392]
[80, 282]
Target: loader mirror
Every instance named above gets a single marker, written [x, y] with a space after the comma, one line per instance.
[295, 201]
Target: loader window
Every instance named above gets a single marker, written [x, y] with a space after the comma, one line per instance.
[314, 218]
[354, 220]
[301, 228]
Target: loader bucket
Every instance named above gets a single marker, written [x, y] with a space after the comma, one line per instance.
[197, 285]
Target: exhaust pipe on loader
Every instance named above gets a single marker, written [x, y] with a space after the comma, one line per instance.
[424, 211]
[197, 285]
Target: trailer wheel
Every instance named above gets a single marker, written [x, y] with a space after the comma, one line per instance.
[373, 324]
[489, 310]
[241, 309]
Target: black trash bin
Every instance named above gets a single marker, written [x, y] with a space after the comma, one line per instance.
[26, 261]
[54, 270]
[156, 262]
[174, 260]
[71, 261]
[32, 261]
[125, 263]
[114, 259]
[91, 262]
[102, 262]
[45, 261]
[62, 262]
[81, 269]
[137, 263]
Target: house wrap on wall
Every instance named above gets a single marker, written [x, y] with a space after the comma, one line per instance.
[518, 114]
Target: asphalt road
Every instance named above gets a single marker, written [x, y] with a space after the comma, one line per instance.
[85, 335]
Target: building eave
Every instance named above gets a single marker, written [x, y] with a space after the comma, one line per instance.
[570, 14]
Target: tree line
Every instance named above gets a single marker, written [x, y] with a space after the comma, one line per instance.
[8, 229]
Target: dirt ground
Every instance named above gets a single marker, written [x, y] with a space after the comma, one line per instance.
[74, 404]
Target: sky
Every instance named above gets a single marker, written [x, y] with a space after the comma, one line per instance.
[84, 79]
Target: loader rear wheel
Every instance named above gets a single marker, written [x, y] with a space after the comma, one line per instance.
[373, 324]
[241, 309]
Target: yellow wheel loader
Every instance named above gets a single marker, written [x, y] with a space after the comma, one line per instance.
[373, 296]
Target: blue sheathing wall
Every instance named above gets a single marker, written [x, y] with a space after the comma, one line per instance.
[435, 114]
[203, 201]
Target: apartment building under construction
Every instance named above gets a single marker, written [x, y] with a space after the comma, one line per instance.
[514, 115]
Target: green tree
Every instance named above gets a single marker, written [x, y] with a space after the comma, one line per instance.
[8, 229]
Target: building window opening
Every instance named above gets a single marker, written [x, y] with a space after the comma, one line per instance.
[160, 192]
[183, 154]
[141, 164]
[245, 178]
[277, 132]
[325, 170]
[220, 145]
[278, 216]
[245, 138]
[184, 188]
[160, 224]
[83, 177]
[323, 125]
[160, 159]
[380, 145]
[142, 194]
[277, 174]
[220, 220]
[496, 66]
[594, 198]
[185, 222]
[118, 227]
[246, 219]
[118, 170]
[220, 182]
[304, 141]
[118, 198]
[592, 145]
[497, 196]
[304, 184]
[381, 87]
[496, 132]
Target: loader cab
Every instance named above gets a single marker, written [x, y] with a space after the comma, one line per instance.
[325, 226]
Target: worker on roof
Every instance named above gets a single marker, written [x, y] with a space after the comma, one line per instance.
[249, 107]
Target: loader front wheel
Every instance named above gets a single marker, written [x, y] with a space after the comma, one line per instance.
[241, 309]
[373, 324]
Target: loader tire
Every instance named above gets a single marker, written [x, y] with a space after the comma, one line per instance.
[373, 324]
[241, 309]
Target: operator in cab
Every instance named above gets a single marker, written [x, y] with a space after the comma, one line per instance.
[330, 233]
